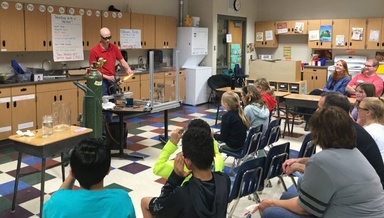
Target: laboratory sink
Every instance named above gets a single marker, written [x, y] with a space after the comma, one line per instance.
[54, 74]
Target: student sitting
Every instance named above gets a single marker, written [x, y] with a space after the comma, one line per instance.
[164, 166]
[90, 162]
[204, 195]
[234, 124]
[255, 109]
[262, 85]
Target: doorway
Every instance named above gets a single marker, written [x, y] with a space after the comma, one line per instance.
[231, 46]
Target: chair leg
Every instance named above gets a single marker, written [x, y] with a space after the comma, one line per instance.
[283, 183]
[233, 207]
[217, 114]
[293, 181]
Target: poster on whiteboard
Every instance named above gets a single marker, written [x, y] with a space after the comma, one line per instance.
[67, 37]
[130, 38]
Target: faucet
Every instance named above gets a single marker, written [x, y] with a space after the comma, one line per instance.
[140, 62]
[65, 68]
[42, 63]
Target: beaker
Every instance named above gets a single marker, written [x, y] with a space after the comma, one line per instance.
[61, 112]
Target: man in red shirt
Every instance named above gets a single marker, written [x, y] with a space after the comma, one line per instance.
[369, 75]
[111, 53]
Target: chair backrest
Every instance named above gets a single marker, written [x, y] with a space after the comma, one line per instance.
[248, 178]
[255, 139]
[219, 81]
[249, 141]
[272, 134]
[307, 147]
[275, 159]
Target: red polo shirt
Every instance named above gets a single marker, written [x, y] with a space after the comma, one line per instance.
[111, 55]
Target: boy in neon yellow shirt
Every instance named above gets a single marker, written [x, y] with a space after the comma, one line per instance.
[164, 166]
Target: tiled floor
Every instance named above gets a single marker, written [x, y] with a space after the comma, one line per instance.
[133, 175]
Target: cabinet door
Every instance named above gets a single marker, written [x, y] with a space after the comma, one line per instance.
[325, 44]
[6, 115]
[313, 25]
[169, 86]
[259, 34]
[291, 27]
[123, 22]
[149, 31]
[36, 27]
[320, 78]
[137, 22]
[340, 28]
[374, 24]
[92, 28]
[132, 85]
[161, 25]
[44, 105]
[171, 32]
[81, 12]
[52, 10]
[70, 95]
[144, 86]
[308, 75]
[109, 20]
[23, 99]
[12, 20]
[357, 29]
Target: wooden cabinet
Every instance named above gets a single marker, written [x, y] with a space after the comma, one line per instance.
[165, 32]
[81, 12]
[115, 21]
[291, 27]
[349, 30]
[158, 86]
[12, 26]
[375, 24]
[316, 78]
[52, 92]
[145, 23]
[23, 108]
[261, 39]
[132, 85]
[92, 26]
[170, 86]
[38, 29]
[314, 25]
[6, 114]
[123, 21]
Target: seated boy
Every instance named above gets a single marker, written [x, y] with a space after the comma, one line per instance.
[90, 162]
[163, 166]
[204, 195]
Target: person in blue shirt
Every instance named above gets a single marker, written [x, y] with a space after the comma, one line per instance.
[90, 162]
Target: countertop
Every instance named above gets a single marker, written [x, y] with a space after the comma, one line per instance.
[75, 78]
[316, 67]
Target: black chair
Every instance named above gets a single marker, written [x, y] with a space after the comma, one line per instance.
[214, 82]
[250, 146]
[276, 156]
[247, 181]
[307, 149]
[272, 134]
[239, 76]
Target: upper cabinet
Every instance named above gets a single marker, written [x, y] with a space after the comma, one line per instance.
[92, 28]
[265, 35]
[38, 29]
[145, 23]
[115, 21]
[375, 36]
[349, 33]
[12, 20]
[291, 27]
[165, 32]
[319, 35]
[81, 12]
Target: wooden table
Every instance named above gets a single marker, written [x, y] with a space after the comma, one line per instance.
[279, 96]
[38, 146]
[300, 100]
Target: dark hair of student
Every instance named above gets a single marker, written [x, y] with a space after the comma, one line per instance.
[199, 123]
[336, 99]
[90, 161]
[332, 127]
[197, 146]
[252, 95]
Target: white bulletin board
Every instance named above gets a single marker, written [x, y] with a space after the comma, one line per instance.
[67, 37]
[130, 38]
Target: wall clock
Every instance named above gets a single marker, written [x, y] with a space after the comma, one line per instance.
[236, 5]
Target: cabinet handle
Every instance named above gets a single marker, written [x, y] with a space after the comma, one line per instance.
[3, 43]
[61, 97]
[346, 43]
[382, 44]
[118, 43]
[321, 43]
[266, 43]
[50, 43]
[83, 43]
[145, 43]
[87, 43]
[316, 77]
[317, 43]
[350, 44]
[23, 89]
[8, 105]
[164, 43]
[54, 98]
[311, 77]
[167, 43]
[314, 70]
[14, 104]
[378, 44]
[44, 43]
[129, 88]
[141, 43]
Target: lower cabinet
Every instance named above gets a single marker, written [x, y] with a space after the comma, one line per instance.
[53, 92]
[316, 78]
[23, 106]
[6, 115]
[132, 85]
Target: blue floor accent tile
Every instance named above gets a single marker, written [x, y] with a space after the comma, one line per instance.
[7, 188]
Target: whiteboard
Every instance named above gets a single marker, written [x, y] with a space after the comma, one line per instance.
[130, 38]
[67, 37]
